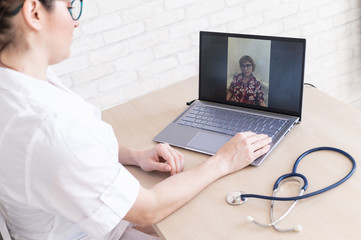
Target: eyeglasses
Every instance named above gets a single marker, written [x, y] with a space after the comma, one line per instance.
[246, 65]
[75, 10]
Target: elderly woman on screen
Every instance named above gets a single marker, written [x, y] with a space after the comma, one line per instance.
[245, 88]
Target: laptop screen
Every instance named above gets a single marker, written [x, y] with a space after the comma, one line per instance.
[258, 72]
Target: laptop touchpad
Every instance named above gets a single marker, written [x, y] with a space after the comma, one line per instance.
[207, 142]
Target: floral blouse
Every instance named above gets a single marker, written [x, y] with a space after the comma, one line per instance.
[246, 92]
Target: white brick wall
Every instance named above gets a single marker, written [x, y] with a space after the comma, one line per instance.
[124, 49]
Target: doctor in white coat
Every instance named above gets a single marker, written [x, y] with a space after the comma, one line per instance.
[62, 173]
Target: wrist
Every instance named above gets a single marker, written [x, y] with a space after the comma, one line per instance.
[217, 166]
[129, 156]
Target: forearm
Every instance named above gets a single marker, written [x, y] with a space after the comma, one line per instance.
[164, 198]
[172, 193]
[229, 95]
[175, 191]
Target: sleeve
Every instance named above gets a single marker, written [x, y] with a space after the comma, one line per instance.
[233, 83]
[73, 171]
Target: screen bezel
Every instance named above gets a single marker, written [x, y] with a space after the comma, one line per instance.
[297, 113]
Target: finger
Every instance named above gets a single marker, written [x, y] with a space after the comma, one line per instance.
[162, 167]
[261, 142]
[261, 151]
[179, 161]
[256, 137]
[251, 138]
[246, 134]
[167, 156]
[177, 158]
[173, 160]
[181, 157]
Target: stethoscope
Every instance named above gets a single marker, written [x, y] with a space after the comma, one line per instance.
[239, 197]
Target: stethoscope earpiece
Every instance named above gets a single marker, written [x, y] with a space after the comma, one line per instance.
[298, 228]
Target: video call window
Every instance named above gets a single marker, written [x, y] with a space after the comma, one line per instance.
[248, 71]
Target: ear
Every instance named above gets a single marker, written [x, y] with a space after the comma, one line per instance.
[33, 13]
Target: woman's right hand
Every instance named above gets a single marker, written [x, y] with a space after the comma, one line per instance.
[241, 151]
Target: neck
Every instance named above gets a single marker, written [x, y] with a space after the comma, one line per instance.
[27, 62]
[246, 78]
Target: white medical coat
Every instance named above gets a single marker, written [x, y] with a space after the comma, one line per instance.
[59, 172]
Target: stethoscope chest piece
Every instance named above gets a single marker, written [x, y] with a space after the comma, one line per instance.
[234, 198]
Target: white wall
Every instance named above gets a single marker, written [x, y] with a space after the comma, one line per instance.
[126, 48]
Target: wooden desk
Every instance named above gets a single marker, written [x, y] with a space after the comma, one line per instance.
[326, 122]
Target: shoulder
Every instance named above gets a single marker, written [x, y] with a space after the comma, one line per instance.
[76, 137]
[237, 76]
[255, 81]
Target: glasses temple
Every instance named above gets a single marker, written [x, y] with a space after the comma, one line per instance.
[17, 10]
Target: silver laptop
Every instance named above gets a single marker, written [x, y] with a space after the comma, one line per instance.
[246, 83]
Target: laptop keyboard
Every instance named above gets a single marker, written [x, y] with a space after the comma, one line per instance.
[230, 122]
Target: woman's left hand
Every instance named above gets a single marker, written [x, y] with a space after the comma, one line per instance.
[162, 158]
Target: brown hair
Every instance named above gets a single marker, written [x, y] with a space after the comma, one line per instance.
[7, 9]
[247, 58]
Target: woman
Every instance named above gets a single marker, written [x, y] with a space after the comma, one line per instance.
[62, 174]
[245, 88]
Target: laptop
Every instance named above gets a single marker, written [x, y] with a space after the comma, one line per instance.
[246, 83]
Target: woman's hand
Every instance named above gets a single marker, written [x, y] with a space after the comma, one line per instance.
[161, 158]
[242, 150]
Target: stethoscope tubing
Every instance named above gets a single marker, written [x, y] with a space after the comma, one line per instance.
[294, 174]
